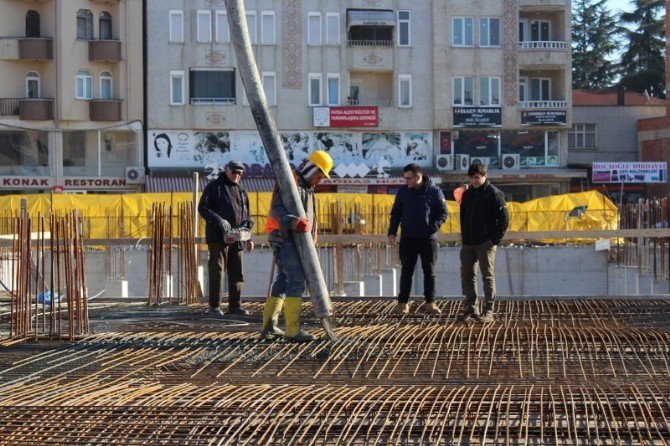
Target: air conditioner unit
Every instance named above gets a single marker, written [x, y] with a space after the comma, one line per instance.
[485, 160]
[511, 161]
[443, 162]
[462, 162]
[135, 175]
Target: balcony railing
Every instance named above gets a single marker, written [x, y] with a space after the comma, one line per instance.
[370, 102]
[544, 45]
[9, 106]
[543, 104]
[370, 42]
[105, 109]
[201, 101]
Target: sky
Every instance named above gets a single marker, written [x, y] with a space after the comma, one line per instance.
[619, 5]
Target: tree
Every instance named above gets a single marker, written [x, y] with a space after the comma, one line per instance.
[642, 64]
[594, 40]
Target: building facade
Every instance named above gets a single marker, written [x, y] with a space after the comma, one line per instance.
[377, 83]
[71, 100]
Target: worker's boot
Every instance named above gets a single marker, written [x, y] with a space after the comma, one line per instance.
[432, 308]
[402, 308]
[271, 312]
[292, 309]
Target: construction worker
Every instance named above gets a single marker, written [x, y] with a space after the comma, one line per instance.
[289, 283]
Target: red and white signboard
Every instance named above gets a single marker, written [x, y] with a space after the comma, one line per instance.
[346, 117]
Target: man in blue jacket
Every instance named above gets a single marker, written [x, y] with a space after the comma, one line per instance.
[420, 209]
[484, 221]
[224, 205]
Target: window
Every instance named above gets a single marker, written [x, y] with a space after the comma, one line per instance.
[373, 27]
[332, 28]
[354, 94]
[404, 90]
[489, 31]
[315, 89]
[32, 24]
[106, 89]
[540, 89]
[489, 91]
[212, 86]
[32, 85]
[204, 26]
[269, 80]
[540, 31]
[523, 88]
[222, 29]
[84, 24]
[176, 88]
[462, 31]
[333, 87]
[582, 136]
[523, 31]
[403, 28]
[105, 22]
[314, 28]
[268, 28]
[463, 91]
[251, 24]
[176, 26]
[83, 85]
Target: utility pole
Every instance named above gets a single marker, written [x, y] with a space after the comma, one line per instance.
[288, 190]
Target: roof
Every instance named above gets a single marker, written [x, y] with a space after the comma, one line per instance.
[185, 184]
[610, 96]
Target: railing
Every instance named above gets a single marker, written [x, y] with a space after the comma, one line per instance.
[197, 101]
[370, 102]
[543, 104]
[546, 45]
[9, 106]
[370, 42]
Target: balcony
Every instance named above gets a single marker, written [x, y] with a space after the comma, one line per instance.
[104, 50]
[36, 48]
[543, 5]
[370, 102]
[105, 109]
[28, 109]
[543, 104]
[370, 58]
[544, 54]
[211, 101]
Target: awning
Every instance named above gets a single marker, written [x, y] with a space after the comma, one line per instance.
[185, 184]
[370, 17]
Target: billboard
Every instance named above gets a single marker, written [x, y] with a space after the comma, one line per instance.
[640, 172]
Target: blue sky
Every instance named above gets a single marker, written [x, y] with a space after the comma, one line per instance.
[619, 5]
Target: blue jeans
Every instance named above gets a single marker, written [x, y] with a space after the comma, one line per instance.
[290, 279]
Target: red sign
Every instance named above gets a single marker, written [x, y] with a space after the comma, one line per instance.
[354, 117]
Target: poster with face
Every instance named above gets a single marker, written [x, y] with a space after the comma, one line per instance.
[343, 147]
[418, 147]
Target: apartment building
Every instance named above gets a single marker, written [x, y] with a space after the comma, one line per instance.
[71, 100]
[377, 83]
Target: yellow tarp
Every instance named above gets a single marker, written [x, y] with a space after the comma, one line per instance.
[128, 215]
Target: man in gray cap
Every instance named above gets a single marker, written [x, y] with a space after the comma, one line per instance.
[224, 205]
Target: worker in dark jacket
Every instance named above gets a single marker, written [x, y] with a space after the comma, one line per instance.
[224, 205]
[484, 220]
[289, 283]
[420, 210]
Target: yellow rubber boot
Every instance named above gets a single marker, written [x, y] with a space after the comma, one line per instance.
[271, 312]
[292, 311]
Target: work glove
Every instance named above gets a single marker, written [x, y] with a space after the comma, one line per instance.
[224, 225]
[249, 224]
[301, 225]
[250, 246]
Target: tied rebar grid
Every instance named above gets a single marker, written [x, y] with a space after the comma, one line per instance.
[548, 372]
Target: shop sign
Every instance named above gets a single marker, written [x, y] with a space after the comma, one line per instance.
[94, 183]
[346, 116]
[20, 182]
[543, 117]
[477, 117]
[638, 172]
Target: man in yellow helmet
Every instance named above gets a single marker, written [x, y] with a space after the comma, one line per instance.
[289, 283]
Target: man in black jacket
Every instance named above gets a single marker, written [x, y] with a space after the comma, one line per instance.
[420, 209]
[224, 205]
[484, 220]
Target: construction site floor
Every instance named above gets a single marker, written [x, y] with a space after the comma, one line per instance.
[546, 372]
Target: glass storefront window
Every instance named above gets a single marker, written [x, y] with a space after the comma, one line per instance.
[117, 152]
[92, 153]
[24, 152]
[481, 146]
[553, 145]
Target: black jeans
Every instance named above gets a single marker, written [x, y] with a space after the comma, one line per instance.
[229, 257]
[410, 250]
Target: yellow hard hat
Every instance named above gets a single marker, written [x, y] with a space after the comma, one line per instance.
[322, 160]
